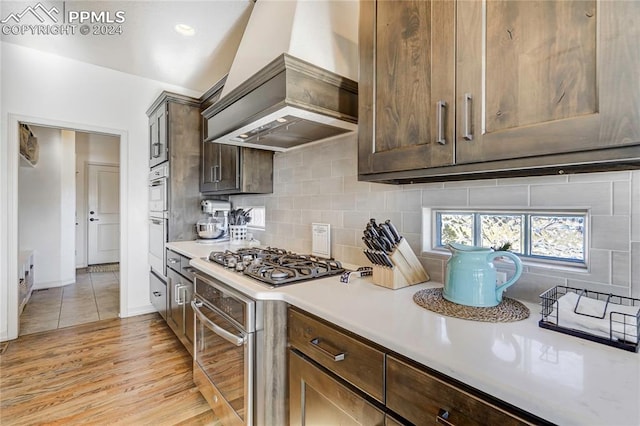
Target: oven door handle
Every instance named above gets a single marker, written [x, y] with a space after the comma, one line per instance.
[230, 337]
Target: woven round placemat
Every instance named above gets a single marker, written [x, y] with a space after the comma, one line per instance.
[509, 310]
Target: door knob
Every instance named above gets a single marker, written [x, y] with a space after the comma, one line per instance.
[92, 219]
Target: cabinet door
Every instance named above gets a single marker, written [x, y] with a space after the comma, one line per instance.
[175, 310]
[406, 87]
[546, 77]
[208, 171]
[158, 146]
[424, 400]
[316, 398]
[220, 165]
[229, 165]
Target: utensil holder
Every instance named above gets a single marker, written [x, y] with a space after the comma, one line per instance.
[237, 234]
[407, 269]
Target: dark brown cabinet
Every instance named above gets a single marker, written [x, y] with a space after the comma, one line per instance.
[424, 399]
[229, 169]
[406, 88]
[337, 377]
[179, 294]
[158, 146]
[540, 88]
[319, 399]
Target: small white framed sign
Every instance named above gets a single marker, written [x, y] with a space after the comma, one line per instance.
[321, 239]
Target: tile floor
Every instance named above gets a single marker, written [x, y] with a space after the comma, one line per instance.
[94, 296]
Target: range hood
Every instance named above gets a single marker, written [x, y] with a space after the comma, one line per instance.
[296, 98]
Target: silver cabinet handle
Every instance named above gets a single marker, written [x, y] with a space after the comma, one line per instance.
[173, 260]
[93, 219]
[182, 300]
[156, 150]
[155, 221]
[441, 109]
[176, 294]
[157, 294]
[318, 345]
[468, 135]
[229, 337]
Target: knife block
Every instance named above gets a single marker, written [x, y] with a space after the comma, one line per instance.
[407, 269]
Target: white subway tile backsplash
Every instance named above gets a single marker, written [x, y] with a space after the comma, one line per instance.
[505, 196]
[610, 232]
[407, 200]
[343, 202]
[318, 183]
[369, 200]
[356, 219]
[600, 177]
[445, 197]
[621, 198]
[411, 222]
[596, 196]
[621, 268]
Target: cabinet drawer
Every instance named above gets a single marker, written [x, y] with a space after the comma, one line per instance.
[180, 264]
[424, 399]
[349, 358]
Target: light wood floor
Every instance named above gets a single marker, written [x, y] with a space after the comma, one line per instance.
[130, 371]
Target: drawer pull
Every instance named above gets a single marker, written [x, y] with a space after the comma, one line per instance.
[443, 417]
[336, 357]
[173, 260]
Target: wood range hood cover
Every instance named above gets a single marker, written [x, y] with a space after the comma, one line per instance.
[288, 103]
[292, 79]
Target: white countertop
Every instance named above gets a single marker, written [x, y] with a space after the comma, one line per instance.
[560, 378]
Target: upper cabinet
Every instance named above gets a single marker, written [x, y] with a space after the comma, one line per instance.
[406, 87]
[174, 128]
[474, 89]
[230, 169]
[158, 147]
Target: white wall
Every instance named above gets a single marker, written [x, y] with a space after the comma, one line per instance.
[324, 33]
[46, 89]
[45, 213]
[90, 148]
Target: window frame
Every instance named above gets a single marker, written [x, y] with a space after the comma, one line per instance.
[432, 217]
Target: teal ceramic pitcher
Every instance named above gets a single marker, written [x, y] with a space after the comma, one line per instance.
[470, 278]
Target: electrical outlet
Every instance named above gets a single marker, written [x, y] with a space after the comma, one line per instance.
[501, 278]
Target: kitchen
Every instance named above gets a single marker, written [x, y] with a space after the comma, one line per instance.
[319, 183]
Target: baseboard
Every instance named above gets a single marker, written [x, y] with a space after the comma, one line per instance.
[53, 284]
[138, 310]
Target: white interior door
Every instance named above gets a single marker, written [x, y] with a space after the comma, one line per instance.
[103, 218]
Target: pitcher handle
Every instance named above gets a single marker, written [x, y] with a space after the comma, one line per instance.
[516, 261]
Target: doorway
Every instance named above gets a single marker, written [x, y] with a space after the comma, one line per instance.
[76, 173]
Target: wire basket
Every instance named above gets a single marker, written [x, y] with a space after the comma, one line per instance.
[600, 317]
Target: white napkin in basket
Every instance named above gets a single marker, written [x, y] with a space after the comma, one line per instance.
[597, 326]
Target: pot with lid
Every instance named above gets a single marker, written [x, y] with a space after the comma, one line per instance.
[215, 222]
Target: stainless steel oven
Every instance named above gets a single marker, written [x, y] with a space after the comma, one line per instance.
[228, 330]
[158, 189]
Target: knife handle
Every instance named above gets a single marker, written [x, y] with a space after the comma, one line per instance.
[394, 230]
[386, 231]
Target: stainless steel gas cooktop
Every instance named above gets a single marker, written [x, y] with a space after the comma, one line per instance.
[276, 267]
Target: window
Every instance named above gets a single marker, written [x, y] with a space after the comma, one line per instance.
[555, 236]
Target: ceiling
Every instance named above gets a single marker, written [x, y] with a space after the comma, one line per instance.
[148, 45]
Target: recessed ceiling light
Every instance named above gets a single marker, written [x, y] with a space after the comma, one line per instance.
[185, 30]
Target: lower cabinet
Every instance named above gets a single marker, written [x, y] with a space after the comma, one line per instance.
[337, 377]
[158, 293]
[422, 398]
[317, 398]
[180, 292]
